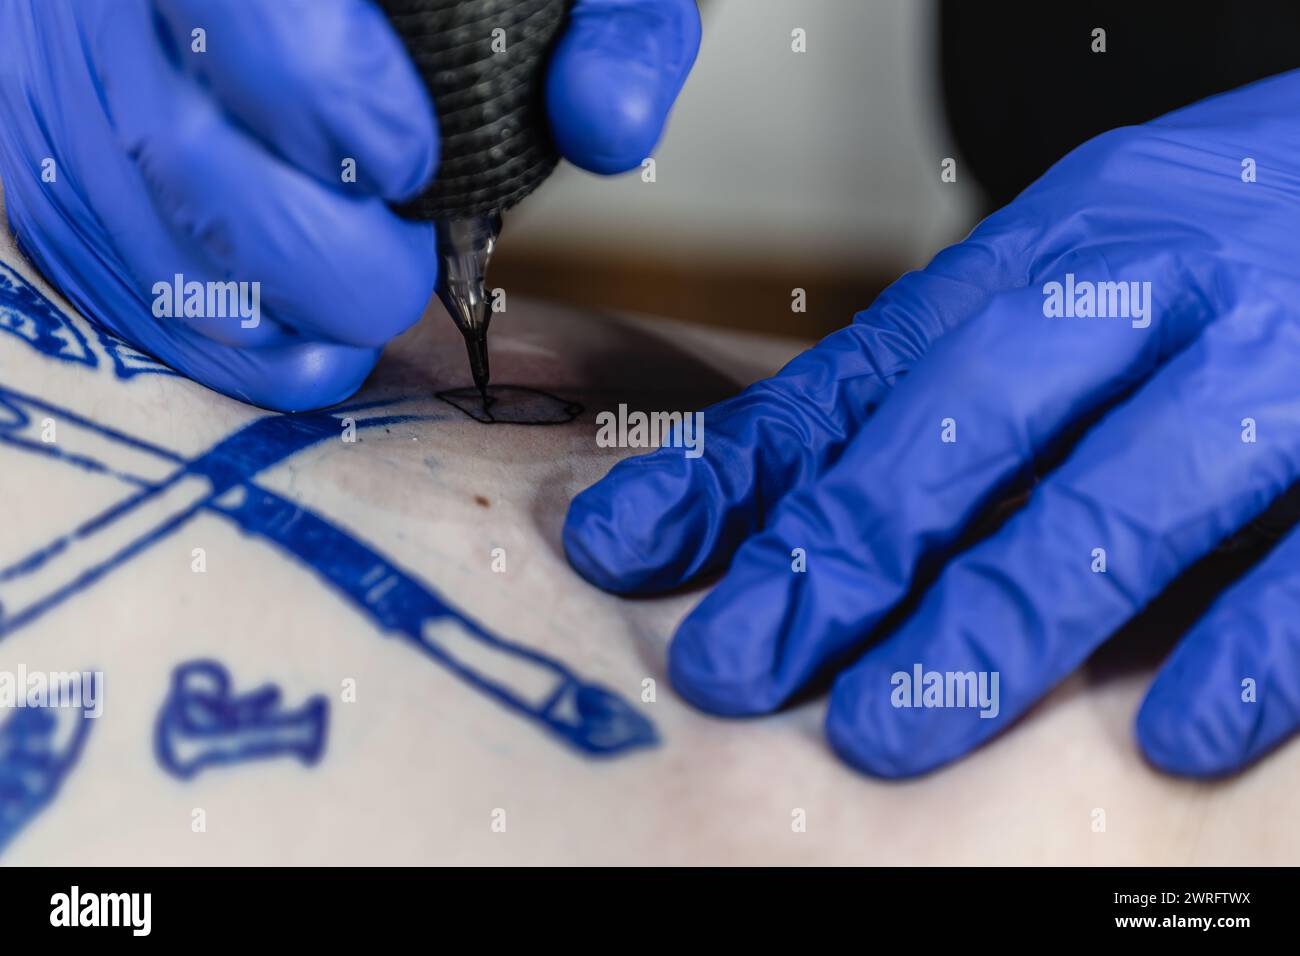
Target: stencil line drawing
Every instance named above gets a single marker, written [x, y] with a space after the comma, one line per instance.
[202, 723]
[511, 405]
[28, 315]
[39, 746]
[169, 490]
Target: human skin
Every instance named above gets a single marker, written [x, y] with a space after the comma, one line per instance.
[413, 769]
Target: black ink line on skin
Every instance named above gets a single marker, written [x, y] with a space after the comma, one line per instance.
[512, 405]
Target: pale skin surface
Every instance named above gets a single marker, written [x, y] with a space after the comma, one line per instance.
[413, 770]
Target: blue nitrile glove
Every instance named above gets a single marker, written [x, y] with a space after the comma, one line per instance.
[842, 454]
[129, 158]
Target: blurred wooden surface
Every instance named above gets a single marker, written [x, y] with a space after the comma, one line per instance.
[754, 296]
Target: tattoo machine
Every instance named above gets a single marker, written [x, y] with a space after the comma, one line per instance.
[483, 62]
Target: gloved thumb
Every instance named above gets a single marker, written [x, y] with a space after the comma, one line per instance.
[614, 76]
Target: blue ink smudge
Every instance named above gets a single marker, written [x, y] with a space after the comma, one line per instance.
[32, 763]
[202, 724]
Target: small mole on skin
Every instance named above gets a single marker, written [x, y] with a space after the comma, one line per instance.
[482, 502]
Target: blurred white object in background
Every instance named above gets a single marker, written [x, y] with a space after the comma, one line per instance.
[830, 156]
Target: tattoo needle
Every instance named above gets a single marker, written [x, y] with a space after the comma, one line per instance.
[483, 62]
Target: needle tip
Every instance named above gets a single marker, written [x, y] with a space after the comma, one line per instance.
[476, 345]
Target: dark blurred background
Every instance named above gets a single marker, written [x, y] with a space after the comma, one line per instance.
[821, 170]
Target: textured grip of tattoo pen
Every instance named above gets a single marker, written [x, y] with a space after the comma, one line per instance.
[496, 146]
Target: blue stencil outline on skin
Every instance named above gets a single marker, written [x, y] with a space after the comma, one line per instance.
[202, 723]
[586, 716]
[127, 361]
[32, 318]
[32, 769]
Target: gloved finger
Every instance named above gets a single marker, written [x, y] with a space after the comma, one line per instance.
[658, 520]
[326, 264]
[318, 81]
[53, 231]
[294, 374]
[56, 221]
[1231, 690]
[1151, 489]
[901, 494]
[614, 76]
[294, 377]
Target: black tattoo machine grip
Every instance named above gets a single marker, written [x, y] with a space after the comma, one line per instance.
[483, 62]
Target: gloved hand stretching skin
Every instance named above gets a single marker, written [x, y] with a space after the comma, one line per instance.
[843, 454]
[225, 166]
